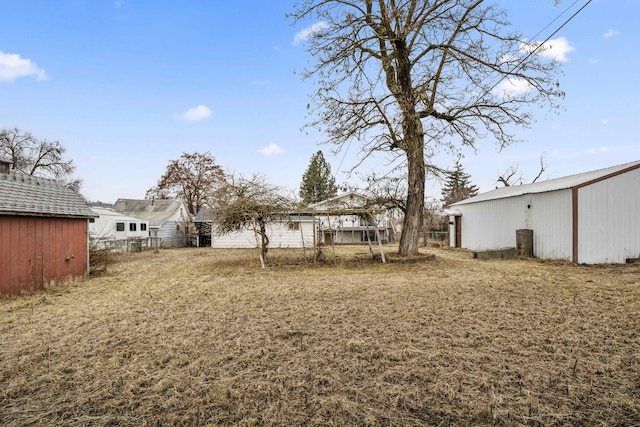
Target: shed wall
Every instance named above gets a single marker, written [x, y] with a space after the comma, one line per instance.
[609, 220]
[551, 222]
[38, 250]
[492, 224]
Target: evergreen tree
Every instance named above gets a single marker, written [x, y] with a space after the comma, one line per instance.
[317, 182]
[457, 186]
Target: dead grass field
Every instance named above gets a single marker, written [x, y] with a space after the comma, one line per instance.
[206, 337]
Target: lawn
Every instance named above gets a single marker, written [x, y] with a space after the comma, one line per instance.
[207, 337]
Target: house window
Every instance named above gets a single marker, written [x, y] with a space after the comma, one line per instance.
[92, 220]
[143, 226]
[119, 226]
[132, 226]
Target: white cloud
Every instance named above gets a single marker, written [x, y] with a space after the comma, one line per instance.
[12, 67]
[611, 33]
[511, 87]
[604, 121]
[195, 114]
[556, 49]
[304, 35]
[271, 150]
[602, 150]
[593, 60]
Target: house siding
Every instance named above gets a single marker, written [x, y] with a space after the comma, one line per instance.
[38, 250]
[170, 235]
[104, 227]
[280, 236]
[609, 219]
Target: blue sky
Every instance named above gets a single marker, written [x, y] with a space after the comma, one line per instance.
[128, 85]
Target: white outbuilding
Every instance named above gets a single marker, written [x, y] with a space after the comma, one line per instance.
[588, 218]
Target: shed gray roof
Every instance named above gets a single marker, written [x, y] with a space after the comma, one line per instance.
[550, 185]
[157, 212]
[27, 195]
[205, 215]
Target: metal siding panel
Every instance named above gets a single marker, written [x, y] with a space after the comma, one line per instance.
[551, 222]
[609, 220]
[492, 224]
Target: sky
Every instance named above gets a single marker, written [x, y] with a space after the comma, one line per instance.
[128, 85]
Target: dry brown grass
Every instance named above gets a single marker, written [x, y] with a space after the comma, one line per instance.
[201, 336]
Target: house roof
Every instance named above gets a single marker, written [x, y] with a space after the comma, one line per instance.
[350, 199]
[157, 212]
[108, 212]
[22, 194]
[204, 215]
[556, 184]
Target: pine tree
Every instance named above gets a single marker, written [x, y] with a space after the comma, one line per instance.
[317, 182]
[457, 186]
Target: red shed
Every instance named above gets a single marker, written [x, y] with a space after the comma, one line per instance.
[43, 231]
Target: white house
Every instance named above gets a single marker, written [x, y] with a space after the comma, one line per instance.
[114, 226]
[339, 220]
[168, 219]
[590, 218]
[345, 220]
[288, 231]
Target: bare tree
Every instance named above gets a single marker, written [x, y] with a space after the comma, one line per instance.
[513, 176]
[250, 203]
[194, 178]
[37, 157]
[409, 76]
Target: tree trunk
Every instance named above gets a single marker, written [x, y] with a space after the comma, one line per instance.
[415, 201]
[265, 239]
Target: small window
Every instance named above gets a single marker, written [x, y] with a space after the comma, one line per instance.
[119, 226]
[92, 220]
[143, 226]
[132, 226]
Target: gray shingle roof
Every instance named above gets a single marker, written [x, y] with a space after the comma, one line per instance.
[550, 185]
[157, 212]
[22, 194]
[205, 215]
